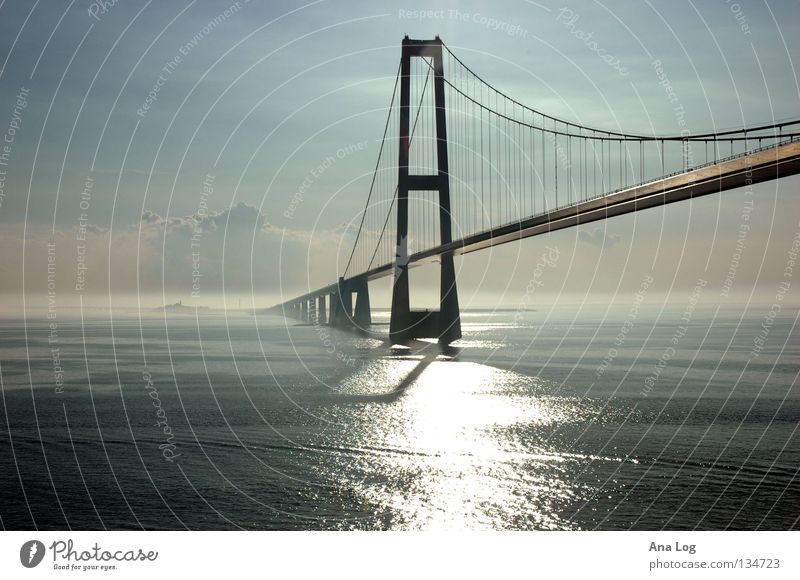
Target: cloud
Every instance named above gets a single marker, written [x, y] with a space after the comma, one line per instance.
[599, 238]
[241, 217]
[233, 248]
[150, 217]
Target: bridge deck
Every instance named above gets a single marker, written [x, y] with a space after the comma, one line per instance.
[764, 165]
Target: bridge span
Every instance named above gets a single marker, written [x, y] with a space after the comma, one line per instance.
[496, 180]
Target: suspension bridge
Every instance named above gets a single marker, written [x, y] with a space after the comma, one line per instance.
[463, 167]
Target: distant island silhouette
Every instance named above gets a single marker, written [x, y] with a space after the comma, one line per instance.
[179, 306]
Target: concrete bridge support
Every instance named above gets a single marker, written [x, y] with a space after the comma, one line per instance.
[333, 308]
[321, 314]
[343, 315]
[342, 306]
[362, 317]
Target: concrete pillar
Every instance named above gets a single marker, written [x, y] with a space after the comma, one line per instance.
[321, 315]
[449, 313]
[342, 305]
[333, 308]
[362, 315]
[344, 315]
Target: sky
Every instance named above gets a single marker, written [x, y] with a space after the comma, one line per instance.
[131, 124]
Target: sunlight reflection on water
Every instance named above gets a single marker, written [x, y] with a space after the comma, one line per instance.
[454, 465]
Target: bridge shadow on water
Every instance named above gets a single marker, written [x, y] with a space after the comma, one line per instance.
[420, 352]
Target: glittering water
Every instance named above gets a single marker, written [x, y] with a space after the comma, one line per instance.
[532, 422]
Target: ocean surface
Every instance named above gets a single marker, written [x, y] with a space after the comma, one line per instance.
[567, 418]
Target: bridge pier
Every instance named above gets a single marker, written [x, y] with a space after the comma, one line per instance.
[342, 313]
[405, 324]
[449, 323]
[444, 324]
[362, 317]
[321, 316]
[333, 308]
[342, 306]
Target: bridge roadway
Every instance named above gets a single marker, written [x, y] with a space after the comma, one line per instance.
[763, 165]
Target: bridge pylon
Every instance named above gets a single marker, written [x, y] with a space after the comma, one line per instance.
[405, 324]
